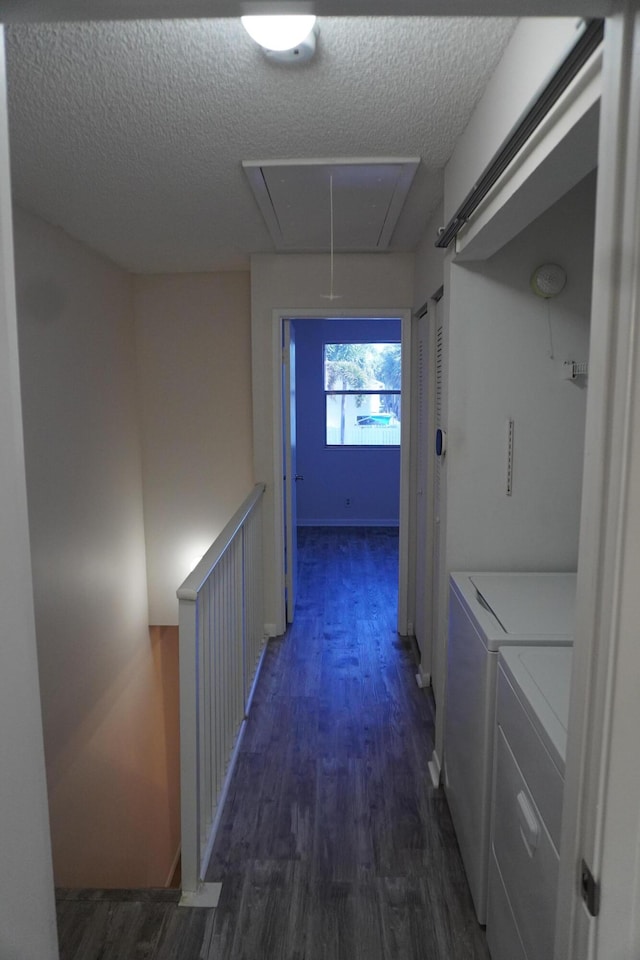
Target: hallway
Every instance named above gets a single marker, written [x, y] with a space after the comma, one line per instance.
[333, 843]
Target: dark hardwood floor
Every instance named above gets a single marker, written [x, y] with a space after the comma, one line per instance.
[333, 842]
[131, 925]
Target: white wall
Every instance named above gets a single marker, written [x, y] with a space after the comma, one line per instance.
[499, 367]
[113, 820]
[428, 279]
[561, 152]
[429, 261]
[536, 49]
[194, 372]
[27, 910]
[366, 283]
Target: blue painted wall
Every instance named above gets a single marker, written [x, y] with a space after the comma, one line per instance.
[370, 478]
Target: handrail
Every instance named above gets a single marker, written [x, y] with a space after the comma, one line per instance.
[221, 648]
[188, 589]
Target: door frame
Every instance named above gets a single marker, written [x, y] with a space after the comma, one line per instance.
[278, 317]
[601, 815]
[439, 314]
[429, 314]
[421, 490]
[288, 376]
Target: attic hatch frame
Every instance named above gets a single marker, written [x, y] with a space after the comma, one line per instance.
[589, 40]
[256, 173]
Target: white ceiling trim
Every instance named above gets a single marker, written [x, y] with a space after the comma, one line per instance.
[33, 11]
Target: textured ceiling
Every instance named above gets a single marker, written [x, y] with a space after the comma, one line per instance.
[131, 135]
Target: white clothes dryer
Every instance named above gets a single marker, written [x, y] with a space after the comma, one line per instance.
[488, 611]
[534, 685]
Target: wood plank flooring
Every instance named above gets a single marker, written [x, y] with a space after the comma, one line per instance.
[131, 925]
[333, 844]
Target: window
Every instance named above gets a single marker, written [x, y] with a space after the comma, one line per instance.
[362, 394]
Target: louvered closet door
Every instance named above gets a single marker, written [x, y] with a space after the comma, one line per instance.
[423, 586]
[438, 604]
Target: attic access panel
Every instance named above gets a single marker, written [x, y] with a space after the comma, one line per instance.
[368, 196]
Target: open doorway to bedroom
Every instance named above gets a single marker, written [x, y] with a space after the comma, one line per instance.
[347, 394]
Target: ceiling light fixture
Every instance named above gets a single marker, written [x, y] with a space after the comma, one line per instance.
[283, 38]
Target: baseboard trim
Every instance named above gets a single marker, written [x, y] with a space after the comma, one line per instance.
[206, 896]
[174, 866]
[119, 894]
[348, 523]
[434, 769]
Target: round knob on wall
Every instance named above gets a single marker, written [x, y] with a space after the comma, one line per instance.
[548, 280]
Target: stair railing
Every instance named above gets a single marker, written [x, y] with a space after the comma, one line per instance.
[222, 643]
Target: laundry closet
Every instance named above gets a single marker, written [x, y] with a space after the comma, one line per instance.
[518, 380]
[516, 414]
[515, 332]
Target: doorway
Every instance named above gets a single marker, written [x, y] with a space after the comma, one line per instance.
[341, 429]
[361, 478]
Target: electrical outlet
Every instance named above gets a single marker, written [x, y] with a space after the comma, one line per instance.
[347, 502]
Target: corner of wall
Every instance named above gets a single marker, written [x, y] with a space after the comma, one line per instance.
[429, 261]
[536, 49]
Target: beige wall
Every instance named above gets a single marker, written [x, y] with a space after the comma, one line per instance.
[113, 811]
[194, 368]
[27, 908]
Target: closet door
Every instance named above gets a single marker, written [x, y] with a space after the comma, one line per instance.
[438, 571]
[430, 474]
[423, 559]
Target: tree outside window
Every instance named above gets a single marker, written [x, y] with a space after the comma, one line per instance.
[362, 394]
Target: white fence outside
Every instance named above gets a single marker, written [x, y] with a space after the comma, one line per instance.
[221, 646]
[357, 436]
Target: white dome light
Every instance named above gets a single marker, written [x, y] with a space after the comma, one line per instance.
[279, 33]
[548, 280]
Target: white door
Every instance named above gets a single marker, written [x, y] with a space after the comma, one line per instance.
[290, 475]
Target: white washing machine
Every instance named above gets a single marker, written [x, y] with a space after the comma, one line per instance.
[488, 611]
[534, 685]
